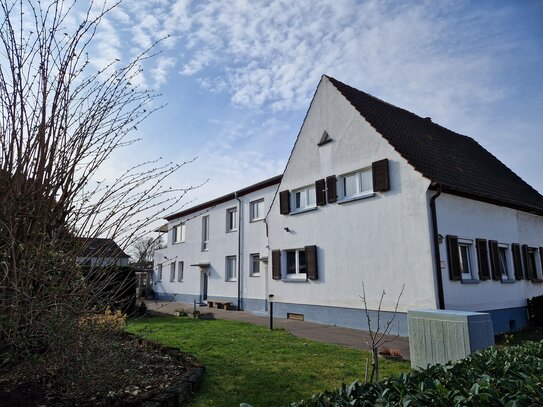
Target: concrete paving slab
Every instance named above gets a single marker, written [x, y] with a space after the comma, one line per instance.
[352, 338]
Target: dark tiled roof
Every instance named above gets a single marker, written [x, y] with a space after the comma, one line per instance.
[460, 164]
[99, 247]
[225, 198]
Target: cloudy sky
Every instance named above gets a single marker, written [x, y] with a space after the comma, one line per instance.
[237, 76]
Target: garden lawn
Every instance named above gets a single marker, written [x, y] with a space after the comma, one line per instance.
[249, 363]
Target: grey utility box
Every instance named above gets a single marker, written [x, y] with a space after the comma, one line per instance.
[439, 336]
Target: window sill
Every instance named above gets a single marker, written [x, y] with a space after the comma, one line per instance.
[297, 212]
[232, 281]
[508, 281]
[231, 231]
[254, 275]
[256, 220]
[472, 281]
[295, 279]
[356, 198]
[174, 243]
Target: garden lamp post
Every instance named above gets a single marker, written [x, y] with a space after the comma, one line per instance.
[270, 300]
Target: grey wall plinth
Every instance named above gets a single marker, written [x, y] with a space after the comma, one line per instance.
[439, 336]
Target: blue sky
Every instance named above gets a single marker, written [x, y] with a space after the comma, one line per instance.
[238, 76]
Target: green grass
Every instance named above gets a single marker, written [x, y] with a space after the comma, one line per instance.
[248, 363]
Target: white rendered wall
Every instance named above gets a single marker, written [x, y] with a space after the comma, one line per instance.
[383, 241]
[221, 244]
[469, 219]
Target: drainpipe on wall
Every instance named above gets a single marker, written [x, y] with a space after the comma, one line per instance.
[239, 249]
[437, 256]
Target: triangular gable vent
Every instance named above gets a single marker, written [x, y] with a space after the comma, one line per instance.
[324, 139]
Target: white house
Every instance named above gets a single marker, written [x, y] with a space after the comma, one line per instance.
[372, 194]
[101, 252]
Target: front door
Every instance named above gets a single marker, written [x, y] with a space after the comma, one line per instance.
[204, 286]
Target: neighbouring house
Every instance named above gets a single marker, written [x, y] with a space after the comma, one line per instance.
[371, 194]
[100, 252]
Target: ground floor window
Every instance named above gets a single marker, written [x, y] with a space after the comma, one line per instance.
[255, 265]
[172, 272]
[466, 265]
[296, 262]
[231, 271]
[180, 270]
[159, 272]
[504, 264]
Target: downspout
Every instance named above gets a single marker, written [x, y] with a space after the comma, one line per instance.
[239, 249]
[437, 257]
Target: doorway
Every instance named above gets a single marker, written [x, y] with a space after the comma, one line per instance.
[204, 286]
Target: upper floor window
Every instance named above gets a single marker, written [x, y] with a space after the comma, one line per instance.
[231, 219]
[205, 233]
[356, 183]
[231, 271]
[178, 233]
[257, 209]
[303, 198]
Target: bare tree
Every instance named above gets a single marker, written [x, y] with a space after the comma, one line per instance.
[144, 248]
[60, 120]
[379, 334]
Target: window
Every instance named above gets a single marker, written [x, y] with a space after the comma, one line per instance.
[231, 219]
[303, 198]
[205, 233]
[356, 184]
[231, 272]
[180, 269]
[296, 263]
[178, 233]
[531, 263]
[504, 266]
[172, 272]
[466, 266]
[159, 272]
[257, 210]
[255, 265]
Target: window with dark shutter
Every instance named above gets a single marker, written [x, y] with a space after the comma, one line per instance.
[455, 270]
[495, 259]
[529, 262]
[482, 259]
[517, 261]
[284, 202]
[331, 189]
[381, 180]
[311, 260]
[276, 264]
[320, 187]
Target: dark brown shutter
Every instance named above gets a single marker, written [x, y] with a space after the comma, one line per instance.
[320, 186]
[541, 257]
[517, 261]
[495, 259]
[284, 202]
[276, 264]
[455, 273]
[528, 269]
[482, 259]
[311, 259]
[379, 170]
[331, 188]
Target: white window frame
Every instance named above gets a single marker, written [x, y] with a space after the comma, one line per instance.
[255, 215]
[255, 260]
[172, 271]
[231, 219]
[537, 265]
[180, 271]
[301, 198]
[159, 272]
[359, 191]
[178, 233]
[502, 247]
[471, 274]
[230, 269]
[297, 274]
[205, 233]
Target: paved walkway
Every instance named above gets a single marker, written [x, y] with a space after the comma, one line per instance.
[352, 338]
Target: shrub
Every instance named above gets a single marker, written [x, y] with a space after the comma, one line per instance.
[491, 377]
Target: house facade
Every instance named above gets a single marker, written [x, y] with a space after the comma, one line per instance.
[375, 198]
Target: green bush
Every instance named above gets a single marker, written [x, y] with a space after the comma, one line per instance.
[491, 377]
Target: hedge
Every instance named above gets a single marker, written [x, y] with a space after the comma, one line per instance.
[491, 377]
